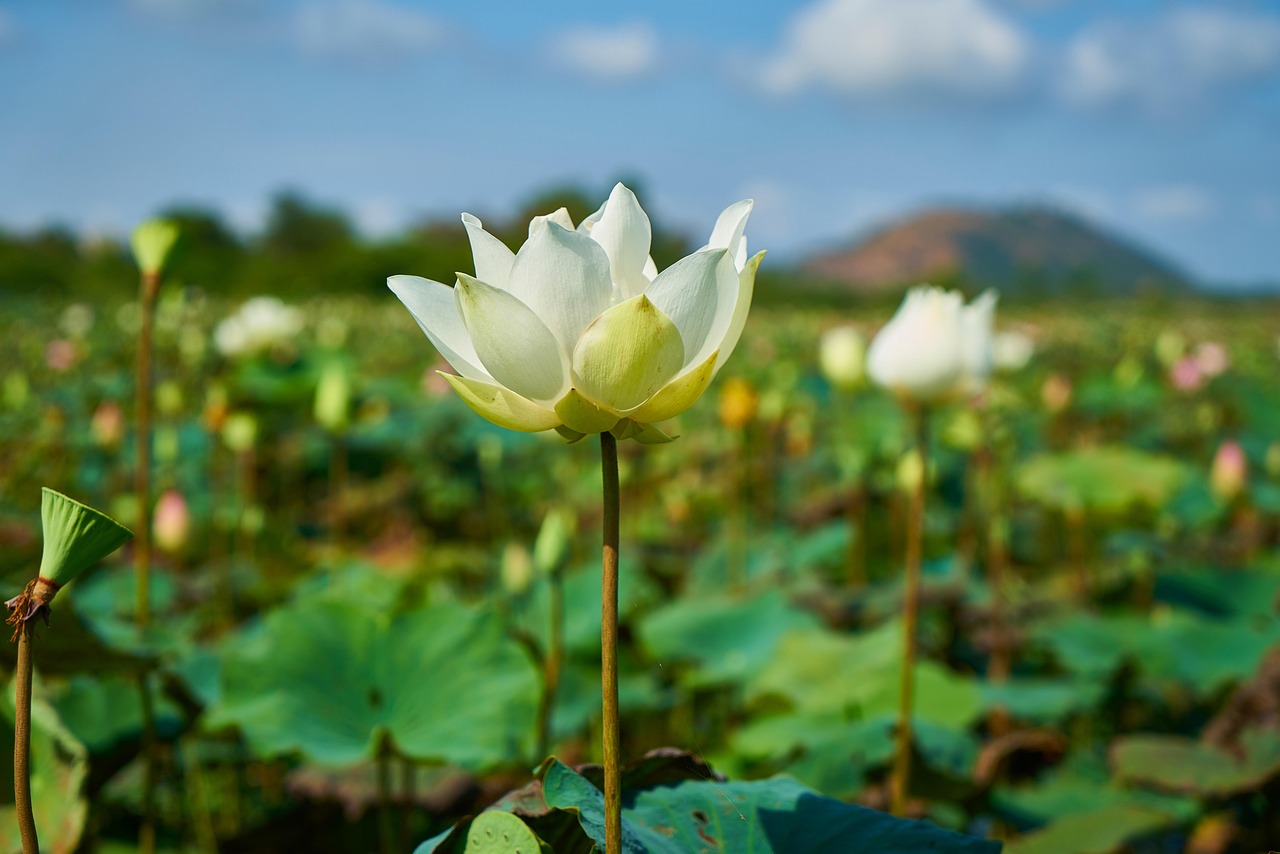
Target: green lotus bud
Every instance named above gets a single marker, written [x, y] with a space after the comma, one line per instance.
[17, 389]
[841, 354]
[169, 398]
[910, 471]
[516, 569]
[333, 398]
[1170, 345]
[168, 444]
[153, 240]
[551, 548]
[75, 538]
[240, 431]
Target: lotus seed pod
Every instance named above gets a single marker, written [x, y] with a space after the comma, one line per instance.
[153, 240]
[333, 398]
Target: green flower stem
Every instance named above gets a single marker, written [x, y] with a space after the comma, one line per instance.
[22, 744]
[338, 475]
[409, 798]
[142, 474]
[901, 780]
[386, 828]
[147, 832]
[999, 664]
[609, 646]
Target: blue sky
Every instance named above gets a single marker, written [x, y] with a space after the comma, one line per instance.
[1160, 119]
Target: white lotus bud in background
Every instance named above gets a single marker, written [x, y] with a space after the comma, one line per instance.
[1012, 350]
[935, 348]
[841, 356]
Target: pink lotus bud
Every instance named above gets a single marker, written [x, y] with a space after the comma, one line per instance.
[1230, 471]
[107, 425]
[1212, 359]
[1186, 375]
[60, 355]
[172, 523]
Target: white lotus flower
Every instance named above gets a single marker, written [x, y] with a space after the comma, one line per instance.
[935, 347]
[578, 331]
[260, 324]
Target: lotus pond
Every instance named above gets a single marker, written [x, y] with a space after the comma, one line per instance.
[373, 614]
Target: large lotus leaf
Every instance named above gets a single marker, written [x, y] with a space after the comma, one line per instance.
[102, 711]
[777, 815]
[327, 680]
[1221, 592]
[1081, 784]
[1199, 652]
[59, 767]
[824, 673]
[1100, 480]
[1043, 701]
[728, 638]
[1104, 830]
[1177, 764]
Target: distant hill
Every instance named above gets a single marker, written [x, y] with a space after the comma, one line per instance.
[1028, 249]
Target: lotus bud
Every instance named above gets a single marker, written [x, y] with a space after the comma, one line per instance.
[738, 403]
[240, 432]
[1056, 392]
[910, 471]
[1212, 359]
[169, 399]
[172, 522]
[1011, 350]
[333, 398]
[1170, 345]
[77, 320]
[963, 430]
[168, 445]
[107, 425]
[516, 569]
[60, 355]
[551, 548]
[1230, 471]
[1273, 460]
[841, 357]
[1186, 376]
[17, 390]
[75, 538]
[153, 240]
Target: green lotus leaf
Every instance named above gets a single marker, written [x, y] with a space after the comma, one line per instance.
[1107, 480]
[59, 768]
[1178, 764]
[330, 680]
[75, 536]
[1105, 830]
[727, 638]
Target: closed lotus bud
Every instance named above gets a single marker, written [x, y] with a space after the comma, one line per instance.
[172, 522]
[333, 398]
[60, 355]
[910, 471]
[107, 425]
[169, 398]
[1186, 376]
[1212, 359]
[17, 389]
[738, 403]
[935, 348]
[1230, 471]
[1170, 345]
[1055, 394]
[841, 357]
[551, 548]
[517, 569]
[168, 445]
[1011, 350]
[77, 320]
[240, 431]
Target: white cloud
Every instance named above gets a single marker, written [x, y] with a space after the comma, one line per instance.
[1179, 203]
[626, 51]
[870, 48]
[1162, 64]
[365, 29]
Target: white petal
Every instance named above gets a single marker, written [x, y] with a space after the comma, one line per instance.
[493, 258]
[746, 288]
[698, 293]
[919, 352]
[625, 234]
[564, 277]
[560, 217]
[978, 318]
[516, 347]
[727, 233]
[433, 306]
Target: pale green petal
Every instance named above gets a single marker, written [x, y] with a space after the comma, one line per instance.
[492, 257]
[625, 233]
[627, 355]
[583, 416]
[571, 436]
[698, 293]
[435, 309]
[746, 288]
[564, 277]
[645, 434]
[516, 348]
[502, 406]
[676, 396]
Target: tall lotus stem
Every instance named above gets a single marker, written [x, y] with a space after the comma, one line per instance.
[609, 646]
[22, 745]
[1000, 663]
[552, 662]
[900, 782]
[142, 474]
